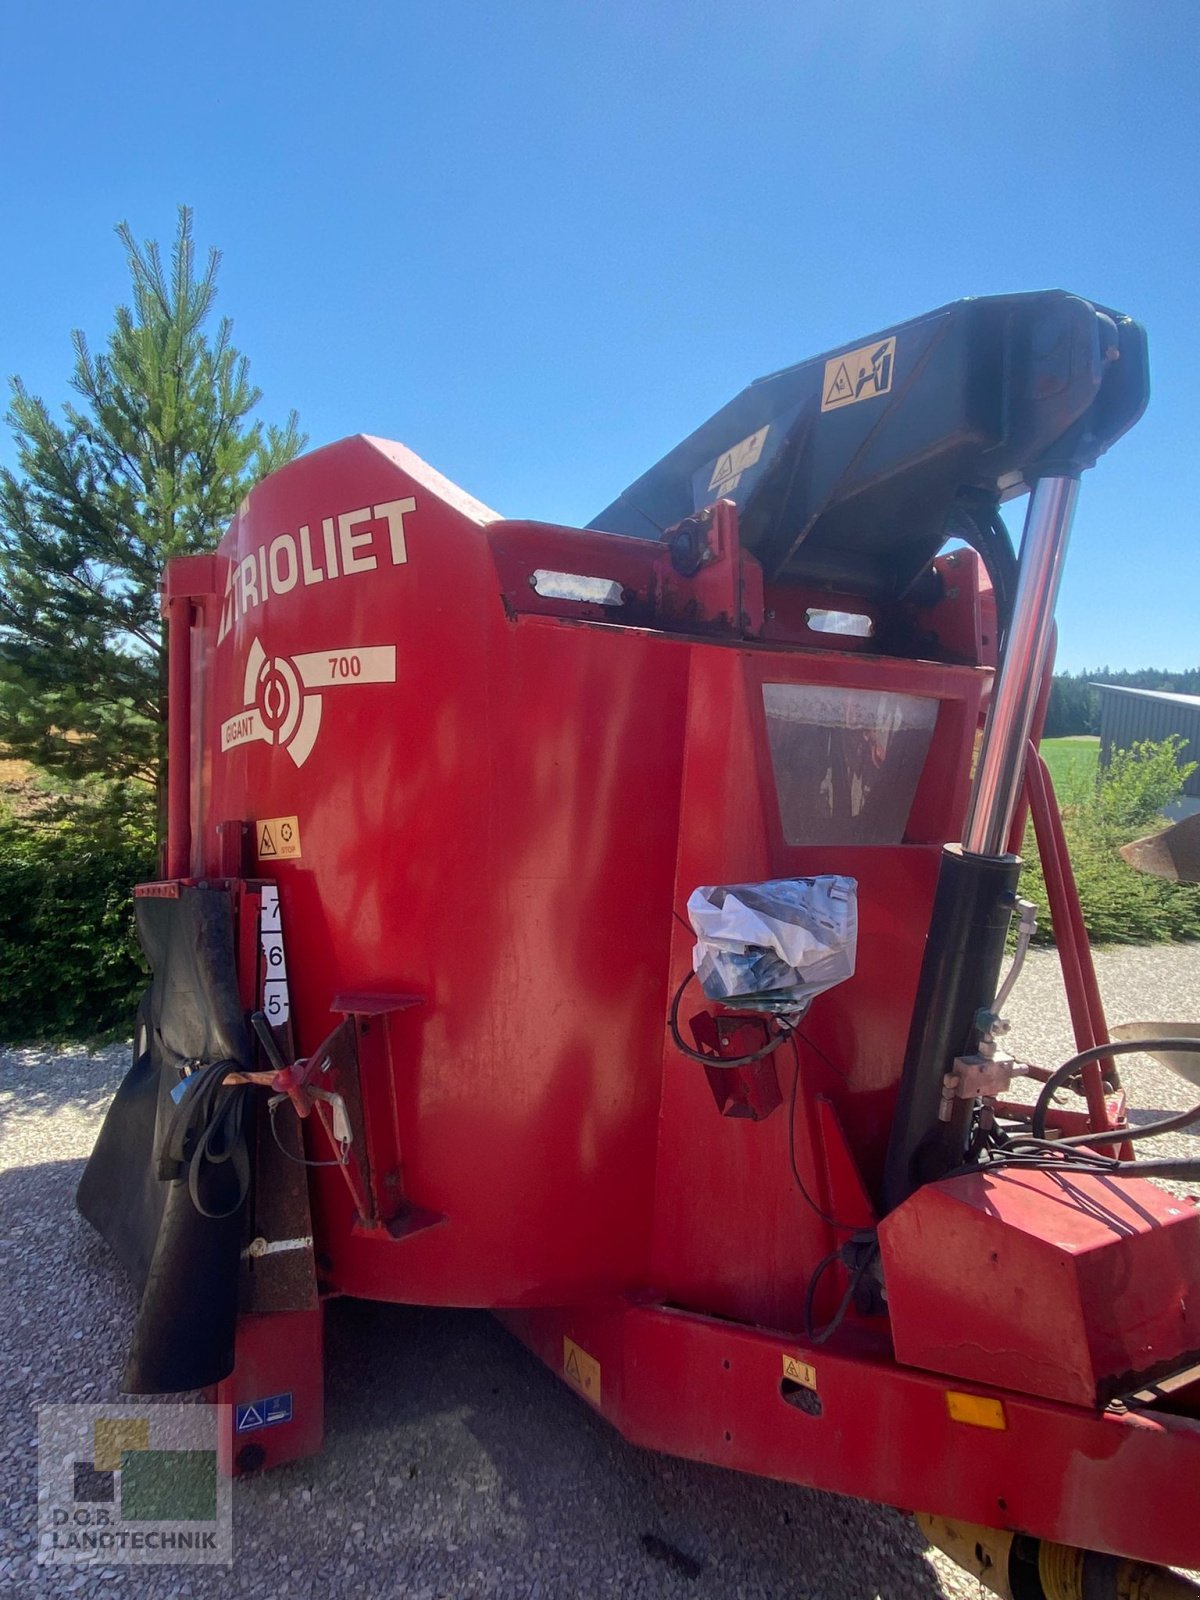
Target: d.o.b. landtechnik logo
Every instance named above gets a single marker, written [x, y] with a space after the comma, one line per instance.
[131, 1484]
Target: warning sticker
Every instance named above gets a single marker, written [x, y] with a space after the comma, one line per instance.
[861, 375]
[796, 1371]
[730, 464]
[277, 838]
[581, 1370]
[266, 1413]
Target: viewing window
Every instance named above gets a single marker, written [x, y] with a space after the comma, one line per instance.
[846, 761]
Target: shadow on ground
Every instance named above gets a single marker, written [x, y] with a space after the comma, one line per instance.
[455, 1464]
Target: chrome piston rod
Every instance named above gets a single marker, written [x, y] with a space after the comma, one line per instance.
[1002, 755]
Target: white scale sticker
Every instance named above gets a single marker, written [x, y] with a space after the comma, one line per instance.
[276, 1003]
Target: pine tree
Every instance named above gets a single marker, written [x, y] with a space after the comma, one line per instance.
[151, 461]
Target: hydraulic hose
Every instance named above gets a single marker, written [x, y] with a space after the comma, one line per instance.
[985, 531]
[1098, 1052]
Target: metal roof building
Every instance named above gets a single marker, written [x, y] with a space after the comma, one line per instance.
[1128, 716]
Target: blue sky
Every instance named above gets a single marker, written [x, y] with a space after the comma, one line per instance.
[540, 242]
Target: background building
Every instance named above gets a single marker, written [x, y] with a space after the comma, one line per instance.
[1128, 716]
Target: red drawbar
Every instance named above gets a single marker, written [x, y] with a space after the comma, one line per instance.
[1074, 1287]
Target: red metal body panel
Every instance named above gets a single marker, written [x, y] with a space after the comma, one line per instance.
[712, 1391]
[500, 800]
[277, 1355]
[1063, 1286]
[505, 830]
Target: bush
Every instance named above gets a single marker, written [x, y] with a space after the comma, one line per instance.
[70, 965]
[1136, 785]
[1121, 906]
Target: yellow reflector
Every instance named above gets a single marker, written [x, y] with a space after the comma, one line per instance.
[977, 1409]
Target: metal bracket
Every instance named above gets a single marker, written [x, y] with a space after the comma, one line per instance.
[986, 1075]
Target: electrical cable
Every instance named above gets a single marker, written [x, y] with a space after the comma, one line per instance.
[787, 1032]
[816, 1049]
[810, 1293]
[862, 1235]
[301, 1161]
[1183, 1171]
[722, 1062]
[866, 1260]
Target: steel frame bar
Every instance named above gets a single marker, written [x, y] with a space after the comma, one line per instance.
[997, 785]
[178, 610]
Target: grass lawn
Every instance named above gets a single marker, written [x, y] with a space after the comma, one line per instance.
[1072, 764]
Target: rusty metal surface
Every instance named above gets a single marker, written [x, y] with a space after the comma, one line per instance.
[1174, 853]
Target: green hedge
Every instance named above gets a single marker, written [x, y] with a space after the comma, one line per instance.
[1124, 802]
[70, 965]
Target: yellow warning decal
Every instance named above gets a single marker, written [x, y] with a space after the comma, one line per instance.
[796, 1371]
[980, 1410]
[581, 1370]
[861, 375]
[277, 838]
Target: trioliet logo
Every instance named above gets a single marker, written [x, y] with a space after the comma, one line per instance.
[279, 702]
[277, 692]
[349, 543]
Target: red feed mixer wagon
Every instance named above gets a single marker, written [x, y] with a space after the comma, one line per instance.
[607, 927]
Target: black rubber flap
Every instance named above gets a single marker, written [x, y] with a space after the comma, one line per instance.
[185, 1263]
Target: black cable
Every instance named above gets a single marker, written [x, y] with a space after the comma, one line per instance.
[810, 1294]
[205, 1133]
[1143, 1130]
[1186, 1171]
[1004, 571]
[1072, 1161]
[987, 534]
[816, 1049]
[1122, 1047]
[789, 1034]
[771, 1045]
[1078, 1152]
[698, 1055]
[785, 1034]
[301, 1161]
[856, 1277]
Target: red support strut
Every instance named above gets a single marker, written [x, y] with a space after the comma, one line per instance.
[1066, 916]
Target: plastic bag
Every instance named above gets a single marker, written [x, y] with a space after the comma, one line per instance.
[787, 939]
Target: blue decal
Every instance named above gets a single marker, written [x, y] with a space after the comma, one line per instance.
[264, 1413]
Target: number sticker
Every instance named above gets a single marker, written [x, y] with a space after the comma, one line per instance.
[275, 1001]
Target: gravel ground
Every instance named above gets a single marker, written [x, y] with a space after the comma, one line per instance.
[455, 1464]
